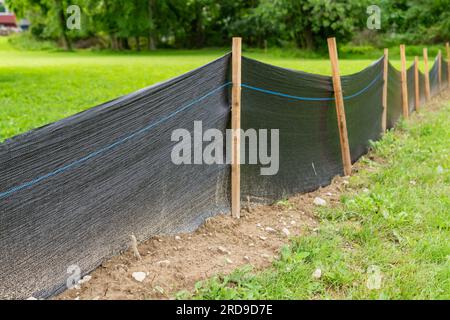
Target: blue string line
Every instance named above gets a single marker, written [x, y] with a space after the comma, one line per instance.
[107, 148]
[284, 95]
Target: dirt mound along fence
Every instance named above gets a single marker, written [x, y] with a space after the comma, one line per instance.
[72, 192]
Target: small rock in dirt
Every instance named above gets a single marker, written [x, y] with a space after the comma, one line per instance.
[251, 244]
[163, 263]
[317, 274]
[265, 256]
[246, 258]
[178, 238]
[258, 225]
[319, 202]
[229, 261]
[139, 276]
[329, 194]
[269, 229]
[223, 250]
[84, 279]
[286, 232]
[293, 222]
[31, 298]
[263, 238]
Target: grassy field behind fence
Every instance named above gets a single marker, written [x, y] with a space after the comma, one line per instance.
[40, 87]
[389, 238]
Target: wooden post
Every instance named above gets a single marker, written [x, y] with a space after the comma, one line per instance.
[340, 111]
[427, 74]
[447, 47]
[439, 69]
[404, 83]
[236, 129]
[416, 83]
[385, 89]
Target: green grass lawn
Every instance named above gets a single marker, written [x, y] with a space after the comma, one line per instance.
[40, 87]
[388, 239]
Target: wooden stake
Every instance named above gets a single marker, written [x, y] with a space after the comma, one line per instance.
[340, 111]
[236, 128]
[404, 83]
[416, 83]
[427, 74]
[439, 69]
[447, 47]
[385, 90]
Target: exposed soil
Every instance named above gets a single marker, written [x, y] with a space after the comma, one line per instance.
[221, 245]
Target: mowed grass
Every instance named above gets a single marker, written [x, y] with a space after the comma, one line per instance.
[40, 87]
[388, 239]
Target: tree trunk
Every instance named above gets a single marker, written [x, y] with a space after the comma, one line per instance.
[113, 42]
[309, 39]
[151, 44]
[196, 37]
[62, 25]
[124, 43]
[138, 43]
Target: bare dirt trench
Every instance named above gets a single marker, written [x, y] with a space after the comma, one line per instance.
[222, 244]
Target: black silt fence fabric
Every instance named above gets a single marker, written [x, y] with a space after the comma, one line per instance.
[394, 96]
[301, 106]
[422, 89]
[434, 77]
[410, 80]
[309, 140]
[363, 101]
[81, 202]
[444, 73]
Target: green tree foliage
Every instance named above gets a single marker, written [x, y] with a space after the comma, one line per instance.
[125, 24]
